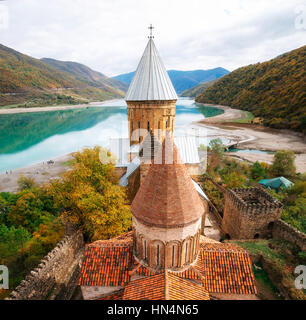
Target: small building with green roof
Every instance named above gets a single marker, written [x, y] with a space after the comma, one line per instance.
[276, 183]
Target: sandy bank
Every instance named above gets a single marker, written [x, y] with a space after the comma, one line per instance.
[41, 172]
[54, 108]
[228, 115]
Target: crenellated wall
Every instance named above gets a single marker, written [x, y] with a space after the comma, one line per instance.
[249, 213]
[57, 274]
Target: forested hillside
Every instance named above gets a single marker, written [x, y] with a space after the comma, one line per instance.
[194, 91]
[84, 73]
[30, 82]
[273, 90]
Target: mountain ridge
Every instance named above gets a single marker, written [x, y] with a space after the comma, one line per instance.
[183, 80]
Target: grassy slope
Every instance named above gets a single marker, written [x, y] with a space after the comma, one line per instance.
[183, 80]
[273, 90]
[29, 81]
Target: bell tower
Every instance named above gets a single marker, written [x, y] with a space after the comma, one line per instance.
[151, 98]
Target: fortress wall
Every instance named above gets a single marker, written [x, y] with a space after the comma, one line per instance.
[57, 274]
[282, 230]
[243, 219]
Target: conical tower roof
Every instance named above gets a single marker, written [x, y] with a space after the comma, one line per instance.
[167, 198]
[151, 80]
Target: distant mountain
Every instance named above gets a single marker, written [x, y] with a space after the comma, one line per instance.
[183, 80]
[26, 81]
[273, 90]
[194, 91]
[84, 73]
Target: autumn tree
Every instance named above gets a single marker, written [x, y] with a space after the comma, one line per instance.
[217, 146]
[283, 164]
[257, 171]
[90, 197]
[25, 183]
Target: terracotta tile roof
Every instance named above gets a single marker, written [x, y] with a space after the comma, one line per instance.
[191, 273]
[182, 289]
[167, 198]
[226, 269]
[219, 268]
[150, 288]
[106, 266]
[164, 286]
[124, 239]
[115, 296]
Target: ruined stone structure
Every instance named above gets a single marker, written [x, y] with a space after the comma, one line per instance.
[57, 274]
[249, 213]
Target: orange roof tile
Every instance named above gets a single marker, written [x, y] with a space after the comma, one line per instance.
[226, 269]
[219, 268]
[115, 296]
[150, 288]
[167, 198]
[106, 266]
[164, 286]
[183, 289]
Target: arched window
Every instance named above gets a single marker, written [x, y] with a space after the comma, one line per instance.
[256, 236]
[186, 249]
[148, 126]
[157, 254]
[173, 251]
[145, 249]
[270, 226]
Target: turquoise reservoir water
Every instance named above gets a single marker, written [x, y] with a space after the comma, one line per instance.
[28, 138]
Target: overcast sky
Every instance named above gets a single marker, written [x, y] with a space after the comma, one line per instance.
[110, 35]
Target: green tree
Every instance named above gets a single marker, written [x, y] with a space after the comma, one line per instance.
[283, 164]
[257, 171]
[11, 240]
[217, 146]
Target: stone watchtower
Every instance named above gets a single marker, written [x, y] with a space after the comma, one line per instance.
[249, 213]
[151, 98]
[167, 213]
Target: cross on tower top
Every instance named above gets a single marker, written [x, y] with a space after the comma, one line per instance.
[151, 31]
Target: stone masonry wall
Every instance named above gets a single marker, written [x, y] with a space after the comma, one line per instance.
[244, 219]
[282, 230]
[157, 115]
[56, 276]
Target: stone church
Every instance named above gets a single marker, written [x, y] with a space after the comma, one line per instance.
[165, 256]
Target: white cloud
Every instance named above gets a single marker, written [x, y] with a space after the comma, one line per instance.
[110, 35]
